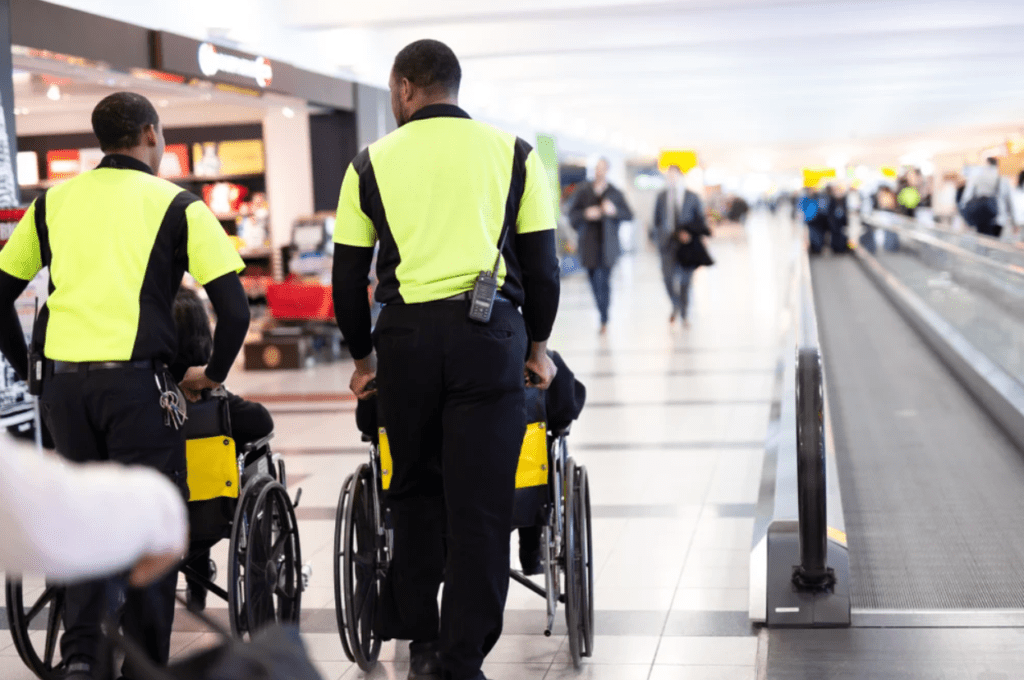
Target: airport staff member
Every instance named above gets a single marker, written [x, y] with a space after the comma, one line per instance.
[435, 194]
[117, 241]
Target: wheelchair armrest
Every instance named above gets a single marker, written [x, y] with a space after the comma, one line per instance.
[258, 444]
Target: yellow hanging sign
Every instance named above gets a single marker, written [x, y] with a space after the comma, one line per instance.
[685, 160]
[814, 176]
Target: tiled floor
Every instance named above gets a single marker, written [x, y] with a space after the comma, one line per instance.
[672, 438]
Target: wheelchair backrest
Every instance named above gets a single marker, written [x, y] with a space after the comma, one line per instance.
[210, 450]
[208, 417]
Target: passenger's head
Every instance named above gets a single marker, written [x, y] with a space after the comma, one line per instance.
[195, 340]
[601, 170]
[127, 123]
[425, 72]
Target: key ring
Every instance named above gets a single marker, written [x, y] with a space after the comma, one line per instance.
[170, 402]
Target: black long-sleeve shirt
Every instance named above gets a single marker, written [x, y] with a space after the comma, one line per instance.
[12, 338]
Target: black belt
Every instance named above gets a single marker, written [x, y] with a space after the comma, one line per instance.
[469, 294]
[86, 366]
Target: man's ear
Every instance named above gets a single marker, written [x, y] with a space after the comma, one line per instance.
[149, 134]
[405, 89]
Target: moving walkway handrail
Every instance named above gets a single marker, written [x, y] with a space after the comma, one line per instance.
[908, 228]
[813, 572]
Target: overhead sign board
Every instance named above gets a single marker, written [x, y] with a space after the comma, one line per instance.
[813, 176]
[192, 58]
[685, 160]
[213, 60]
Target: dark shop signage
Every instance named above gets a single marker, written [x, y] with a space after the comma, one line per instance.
[185, 56]
[214, 61]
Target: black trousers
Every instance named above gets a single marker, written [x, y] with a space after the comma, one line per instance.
[451, 396]
[115, 415]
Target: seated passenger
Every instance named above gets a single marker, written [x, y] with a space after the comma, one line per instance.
[563, 402]
[250, 421]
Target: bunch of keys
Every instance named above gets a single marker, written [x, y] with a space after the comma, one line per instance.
[171, 403]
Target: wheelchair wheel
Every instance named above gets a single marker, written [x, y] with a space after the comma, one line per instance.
[264, 572]
[344, 501]
[273, 561]
[585, 534]
[572, 563]
[361, 561]
[46, 608]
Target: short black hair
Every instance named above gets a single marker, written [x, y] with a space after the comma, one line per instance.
[1020, 179]
[992, 160]
[429, 64]
[119, 119]
[195, 340]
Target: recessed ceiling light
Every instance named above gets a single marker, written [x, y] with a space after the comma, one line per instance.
[288, 112]
[53, 93]
[163, 103]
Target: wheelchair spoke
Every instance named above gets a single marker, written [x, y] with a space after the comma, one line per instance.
[53, 629]
[284, 591]
[277, 551]
[48, 595]
[368, 589]
[259, 604]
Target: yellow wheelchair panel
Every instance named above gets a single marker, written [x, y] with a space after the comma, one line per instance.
[385, 459]
[212, 468]
[533, 458]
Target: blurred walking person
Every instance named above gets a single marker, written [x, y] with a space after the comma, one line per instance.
[596, 210]
[986, 199]
[678, 210]
[838, 218]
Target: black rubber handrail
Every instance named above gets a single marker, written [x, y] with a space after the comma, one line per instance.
[813, 572]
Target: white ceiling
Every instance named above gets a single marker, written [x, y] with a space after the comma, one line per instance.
[754, 84]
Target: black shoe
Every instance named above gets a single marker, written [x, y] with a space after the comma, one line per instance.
[195, 597]
[424, 661]
[531, 561]
[78, 670]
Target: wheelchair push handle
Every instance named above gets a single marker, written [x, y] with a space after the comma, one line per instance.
[533, 377]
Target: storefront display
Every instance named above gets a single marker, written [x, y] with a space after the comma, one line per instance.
[17, 411]
[241, 132]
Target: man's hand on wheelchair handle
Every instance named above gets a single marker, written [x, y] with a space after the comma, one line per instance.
[195, 381]
[365, 373]
[541, 365]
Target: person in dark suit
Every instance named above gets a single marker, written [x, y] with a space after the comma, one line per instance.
[679, 226]
[596, 209]
[676, 207]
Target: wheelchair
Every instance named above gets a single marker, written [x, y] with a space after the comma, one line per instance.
[235, 494]
[552, 493]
